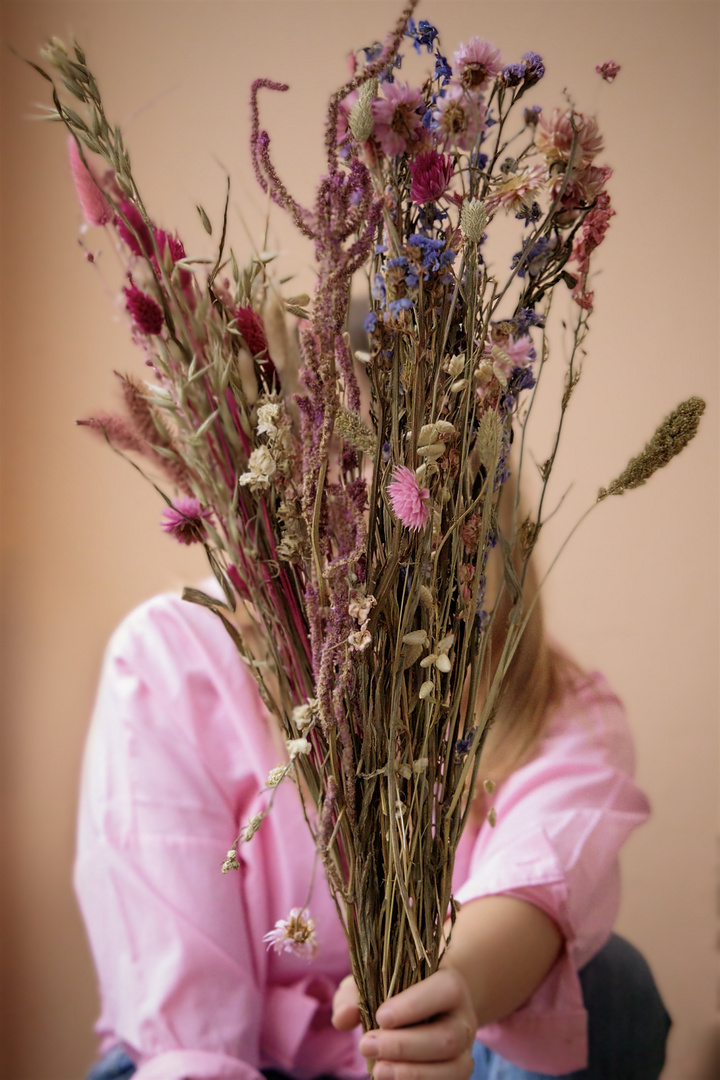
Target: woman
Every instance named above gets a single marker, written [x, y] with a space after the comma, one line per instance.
[177, 759]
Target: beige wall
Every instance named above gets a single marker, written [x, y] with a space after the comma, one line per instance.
[636, 593]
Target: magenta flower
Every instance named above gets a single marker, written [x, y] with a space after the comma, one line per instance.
[398, 119]
[431, 173]
[177, 251]
[477, 63]
[185, 520]
[608, 70]
[409, 501]
[138, 238]
[146, 314]
[94, 205]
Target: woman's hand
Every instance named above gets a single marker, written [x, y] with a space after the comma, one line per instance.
[426, 1032]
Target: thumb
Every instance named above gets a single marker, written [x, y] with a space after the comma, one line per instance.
[346, 1011]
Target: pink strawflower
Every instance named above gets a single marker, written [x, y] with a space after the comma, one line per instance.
[146, 314]
[520, 350]
[409, 501]
[296, 934]
[94, 205]
[398, 119]
[138, 238]
[477, 64]
[185, 520]
[460, 117]
[554, 136]
[582, 188]
[431, 173]
[343, 116]
[609, 70]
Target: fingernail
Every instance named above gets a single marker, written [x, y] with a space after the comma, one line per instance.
[368, 1046]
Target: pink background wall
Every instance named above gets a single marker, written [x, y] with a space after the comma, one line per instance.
[636, 592]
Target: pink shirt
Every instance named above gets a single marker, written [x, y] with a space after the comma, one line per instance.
[175, 763]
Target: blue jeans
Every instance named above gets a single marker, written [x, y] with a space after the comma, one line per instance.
[628, 1027]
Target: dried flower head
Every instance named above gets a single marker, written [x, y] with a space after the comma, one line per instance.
[94, 205]
[185, 520]
[671, 437]
[609, 70]
[473, 220]
[231, 862]
[261, 468]
[146, 314]
[361, 120]
[296, 934]
[295, 747]
[410, 502]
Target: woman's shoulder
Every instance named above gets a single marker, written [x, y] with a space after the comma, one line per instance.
[590, 717]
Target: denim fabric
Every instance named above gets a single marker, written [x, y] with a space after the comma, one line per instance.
[628, 1027]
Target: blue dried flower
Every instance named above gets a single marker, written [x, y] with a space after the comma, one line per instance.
[378, 289]
[529, 214]
[396, 306]
[443, 71]
[513, 74]
[526, 318]
[370, 322]
[532, 115]
[534, 68]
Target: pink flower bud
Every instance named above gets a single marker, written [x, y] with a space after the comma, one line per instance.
[94, 205]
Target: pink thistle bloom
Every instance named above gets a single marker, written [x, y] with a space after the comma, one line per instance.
[409, 501]
[138, 238]
[554, 136]
[431, 174]
[477, 63]
[146, 314]
[609, 70]
[177, 251]
[460, 117]
[296, 934]
[94, 205]
[185, 520]
[398, 119]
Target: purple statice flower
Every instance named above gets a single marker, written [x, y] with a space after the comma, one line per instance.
[483, 621]
[146, 314]
[431, 174]
[535, 259]
[531, 115]
[185, 520]
[386, 452]
[372, 52]
[534, 68]
[378, 289]
[526, 318]
[396, 306]
[529, 214]
[370, 322]
[513, 74]
[462, 746]
[521, 379]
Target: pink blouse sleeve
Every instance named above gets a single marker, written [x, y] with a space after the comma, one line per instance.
[163, 789]
[561, 820]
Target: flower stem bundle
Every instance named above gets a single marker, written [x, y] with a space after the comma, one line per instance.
[353, 503]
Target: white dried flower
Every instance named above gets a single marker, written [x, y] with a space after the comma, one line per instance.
[473, 219]
[455, 365]
[426, 689]
[428, 660]
[420, 765]
[432, 433]
[275, 775]
[432, 452]
[267, 416]
[298, 746]
[303, 714]
[446, 643]
[456, 387]
[360, 607]
[252, 827]
[359, 639]
[261, 468]
[443, 663]
[231, 863]
[415, 637]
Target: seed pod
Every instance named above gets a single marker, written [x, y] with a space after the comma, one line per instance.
[415, 637]
[443, 663]
[426, 689]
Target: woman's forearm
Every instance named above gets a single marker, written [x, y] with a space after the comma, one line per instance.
[503, 947]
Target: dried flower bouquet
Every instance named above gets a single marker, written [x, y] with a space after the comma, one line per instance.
[355, 537]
